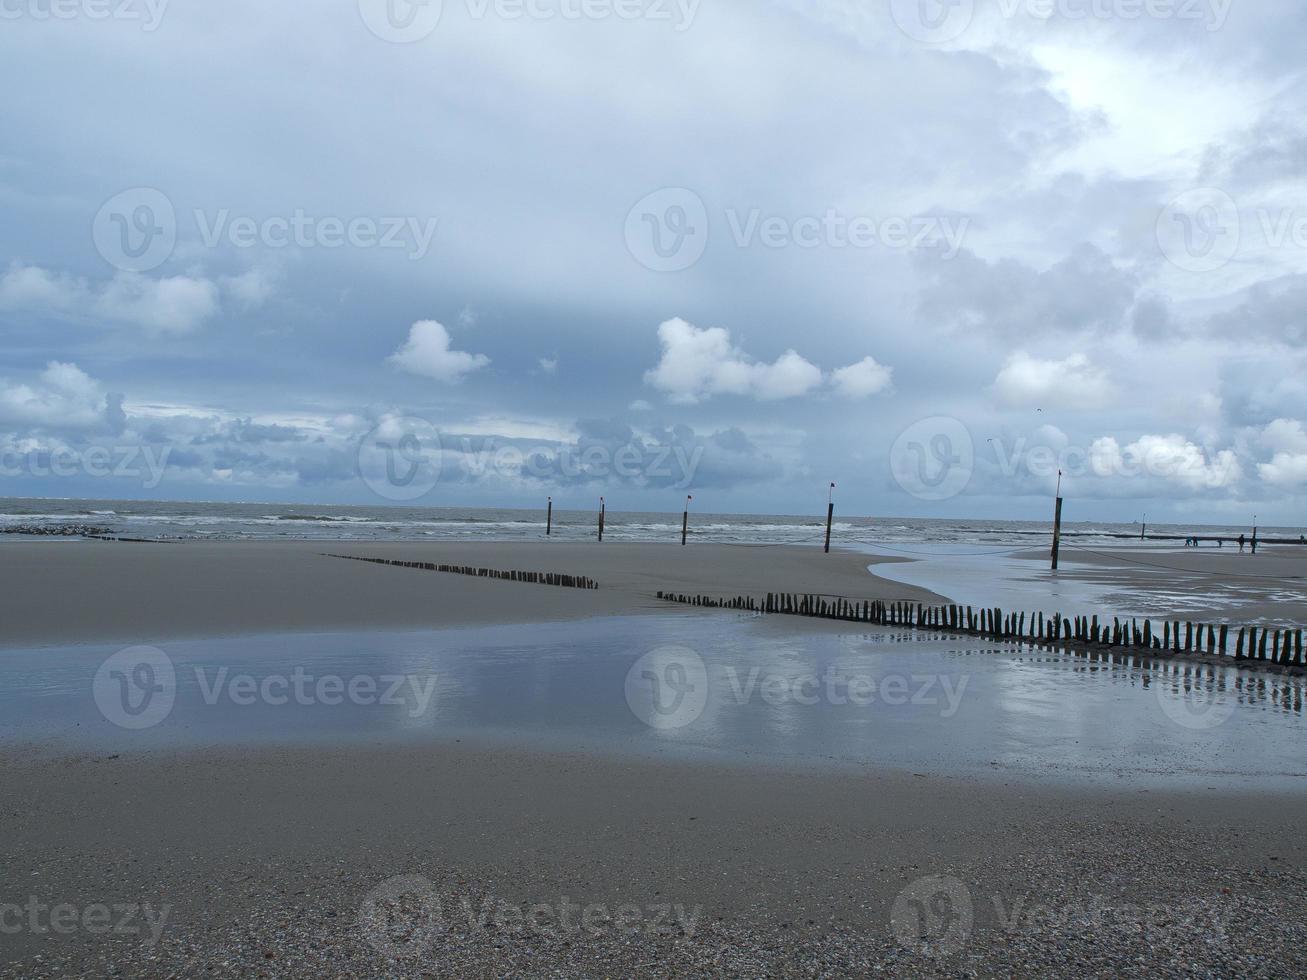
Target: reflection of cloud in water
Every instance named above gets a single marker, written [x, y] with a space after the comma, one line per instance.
[1018, 710]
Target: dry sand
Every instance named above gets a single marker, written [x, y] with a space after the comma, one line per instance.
[265, 858]
[55, 592]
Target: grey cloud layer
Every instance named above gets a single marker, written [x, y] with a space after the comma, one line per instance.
[512, 151]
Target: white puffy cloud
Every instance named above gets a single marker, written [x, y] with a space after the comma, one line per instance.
[427, 352]
[29, 287]
[1172, 458]
[176, 304]
[862, 380]
[179, 304]
[698, 363]
[1284, 435]
[251, 289]
[62, 397]
[1071, 383]
[1287, 441]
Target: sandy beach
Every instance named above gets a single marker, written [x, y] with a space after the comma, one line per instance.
[262, 863]
[100, 591]
[467, 857]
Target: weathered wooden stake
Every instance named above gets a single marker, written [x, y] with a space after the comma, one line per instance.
[1057, 521]
[549, 518]
[830, 515]
[685, 520]
[603, 507]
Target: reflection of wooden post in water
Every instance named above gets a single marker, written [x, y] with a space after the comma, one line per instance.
[1057, 521]
[549, 518]
[685, 520]
[830, 515]
[602, 508]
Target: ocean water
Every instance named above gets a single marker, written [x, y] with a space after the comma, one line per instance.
[219, 521]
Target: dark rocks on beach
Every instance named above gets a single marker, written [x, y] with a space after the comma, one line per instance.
[57, 530]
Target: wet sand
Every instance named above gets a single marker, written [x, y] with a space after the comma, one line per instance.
[1207, 584]
[264, 860]
[54, 592]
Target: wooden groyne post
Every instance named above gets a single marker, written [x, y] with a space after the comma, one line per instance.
[603, 507]
[549, 518]
[685, 520]
[1280, 650]
[1057, 521]
[531, 578]
[830, 514]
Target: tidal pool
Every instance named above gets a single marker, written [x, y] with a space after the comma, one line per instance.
[705, 685]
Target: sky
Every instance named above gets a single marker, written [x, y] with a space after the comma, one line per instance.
[481, 252]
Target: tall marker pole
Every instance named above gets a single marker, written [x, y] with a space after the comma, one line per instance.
[830, 514]
[1057, 521]
[685, 520]
[602, 510]
[1143, 531]
[549, 518]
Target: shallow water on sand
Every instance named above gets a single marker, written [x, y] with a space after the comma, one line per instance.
[981, 575]
[696, 685]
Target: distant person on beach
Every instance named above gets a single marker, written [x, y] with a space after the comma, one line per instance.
[1241, 544]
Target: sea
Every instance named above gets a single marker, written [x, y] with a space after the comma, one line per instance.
[159, 520]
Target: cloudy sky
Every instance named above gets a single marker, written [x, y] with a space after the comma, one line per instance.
[489, 250]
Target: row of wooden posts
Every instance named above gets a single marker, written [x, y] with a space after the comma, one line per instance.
[685, 517]
[532, 578]
[1257, 646]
